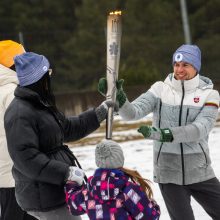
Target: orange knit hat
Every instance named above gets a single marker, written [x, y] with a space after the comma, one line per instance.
[9, 49]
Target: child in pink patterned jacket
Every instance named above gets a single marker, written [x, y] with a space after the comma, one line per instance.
[113, 192]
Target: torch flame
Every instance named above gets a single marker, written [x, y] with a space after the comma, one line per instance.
[115, 13]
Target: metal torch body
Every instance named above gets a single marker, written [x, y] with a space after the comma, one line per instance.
[114, 31]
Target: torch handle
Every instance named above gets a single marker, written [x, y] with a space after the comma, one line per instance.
[110, 95]
[113, 58]
[109, 123]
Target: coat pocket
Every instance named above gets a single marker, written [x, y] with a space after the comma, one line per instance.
[165, 160]
[158, 155]
[199, 158]
[205, 156]
[191, 114]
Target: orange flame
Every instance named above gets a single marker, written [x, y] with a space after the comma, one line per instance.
[115, 13]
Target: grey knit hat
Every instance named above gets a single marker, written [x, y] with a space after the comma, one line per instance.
[109, 154]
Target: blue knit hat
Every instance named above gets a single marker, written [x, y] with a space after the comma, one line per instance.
[190, 54]
[30, 67]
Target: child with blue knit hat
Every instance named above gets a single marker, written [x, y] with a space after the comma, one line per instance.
[113, 192]
[185, 109]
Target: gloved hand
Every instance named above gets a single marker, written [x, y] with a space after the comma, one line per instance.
[149, 132]
[102, 110]
[120, 94]
[76, 174]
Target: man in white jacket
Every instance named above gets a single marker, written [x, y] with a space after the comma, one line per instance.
[185, 109]
[9, 209]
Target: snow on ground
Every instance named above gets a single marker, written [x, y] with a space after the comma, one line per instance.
[138, 155]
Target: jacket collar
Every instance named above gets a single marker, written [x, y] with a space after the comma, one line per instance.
[189, 85]
[28, 94]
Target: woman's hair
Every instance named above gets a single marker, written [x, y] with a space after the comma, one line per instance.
[44, 90]
[137, 178]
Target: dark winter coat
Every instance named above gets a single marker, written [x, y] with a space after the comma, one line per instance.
[110, 195]
[35, 134]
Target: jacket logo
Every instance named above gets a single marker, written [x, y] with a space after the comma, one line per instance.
[196, 99]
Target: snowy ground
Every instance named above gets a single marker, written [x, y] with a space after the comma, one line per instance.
[138, 155]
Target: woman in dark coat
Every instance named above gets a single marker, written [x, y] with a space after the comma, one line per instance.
[36, 131]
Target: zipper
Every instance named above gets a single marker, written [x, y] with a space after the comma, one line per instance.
[159, 127]
[206, 161]
[187, 114]
[159, 152]
[181, 144]
[160, 114]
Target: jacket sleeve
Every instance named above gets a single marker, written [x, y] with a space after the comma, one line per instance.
[141, 106]
[202, 124]
[77, 127]
[75, 198]
[23, 146]
[138, 205]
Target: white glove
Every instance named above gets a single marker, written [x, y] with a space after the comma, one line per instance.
[76, 174]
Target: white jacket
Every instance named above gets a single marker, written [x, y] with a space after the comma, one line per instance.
[189, 108]
[8, 83]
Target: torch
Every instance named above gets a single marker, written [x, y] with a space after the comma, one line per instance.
[113, 58]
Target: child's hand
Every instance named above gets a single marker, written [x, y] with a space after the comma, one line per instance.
[76, 175]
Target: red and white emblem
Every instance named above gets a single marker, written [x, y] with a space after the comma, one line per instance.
[196, 99]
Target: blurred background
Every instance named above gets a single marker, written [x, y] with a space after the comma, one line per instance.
[72, 35]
